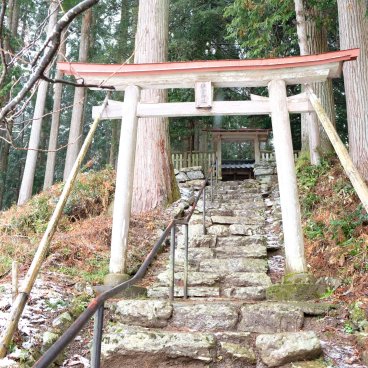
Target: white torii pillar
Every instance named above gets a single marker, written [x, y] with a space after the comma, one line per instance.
[124, 188]
[289, 200]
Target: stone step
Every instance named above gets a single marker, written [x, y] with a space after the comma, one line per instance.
[236, 279]
[246, 279]
[229, 265]
[194, 278]
[216, 315]
[241, 241]
[271, 318]
[229, 220]
[195, 255]
[253, 293]
[236, 205]
[122, 340]
[158, 291]
[235, 229]
[259, 251]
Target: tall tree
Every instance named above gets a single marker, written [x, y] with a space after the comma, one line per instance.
[30, 167]
[55, 121]
[11, 33]
[312, 39]
[353, 29]
[76, 123]
[154, 181]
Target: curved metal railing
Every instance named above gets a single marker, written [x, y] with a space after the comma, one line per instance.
[96, 306]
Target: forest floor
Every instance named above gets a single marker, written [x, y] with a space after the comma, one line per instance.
[335, 228]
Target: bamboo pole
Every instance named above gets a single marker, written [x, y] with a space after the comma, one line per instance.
[25, 290]
[341, 151]
[14, 280]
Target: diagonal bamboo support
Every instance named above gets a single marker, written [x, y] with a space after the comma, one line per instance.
[30, 278]
[341, 151]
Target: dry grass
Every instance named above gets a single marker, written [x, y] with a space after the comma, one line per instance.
[336, 228]
[81, 245]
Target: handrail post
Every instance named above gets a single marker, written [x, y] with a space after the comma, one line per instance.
[97, 337]
[211, 184]
[172, 264]
[204, 210]
[186, 241]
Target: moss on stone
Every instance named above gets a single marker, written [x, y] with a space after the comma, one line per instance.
[239, 352]
[299, 291]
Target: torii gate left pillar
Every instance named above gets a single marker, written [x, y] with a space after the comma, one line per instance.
[124, 188]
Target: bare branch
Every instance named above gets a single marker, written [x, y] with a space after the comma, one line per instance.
[76, 84]
[11, 143]
[48, 55]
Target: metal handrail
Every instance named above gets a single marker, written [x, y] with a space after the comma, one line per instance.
[96, 306]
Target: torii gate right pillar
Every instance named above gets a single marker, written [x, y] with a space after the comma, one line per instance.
[289, 200]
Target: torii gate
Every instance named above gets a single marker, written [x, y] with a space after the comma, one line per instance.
[203, 76]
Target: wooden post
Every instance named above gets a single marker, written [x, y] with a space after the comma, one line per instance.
[257, 152]
[290, 207]
[314, 139]
[341, 151]
[124, 182]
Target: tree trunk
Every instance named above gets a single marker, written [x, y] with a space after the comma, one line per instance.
[313, 40]
[76, 124]
[317, 44]
[12, 25]
[154, 180]
[25, 192]
[353, 28]
[301, 29]
[55, 121]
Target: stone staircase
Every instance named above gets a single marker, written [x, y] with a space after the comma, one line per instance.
[226, 322]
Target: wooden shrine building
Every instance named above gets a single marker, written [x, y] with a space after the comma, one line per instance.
[242, 168]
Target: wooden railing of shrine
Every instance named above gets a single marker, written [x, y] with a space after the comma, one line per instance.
[188, 159]
[270, 155]
[204, 159]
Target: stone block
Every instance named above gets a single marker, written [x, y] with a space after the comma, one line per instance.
[284, 348]
[182, 177]
[241, 241]
[239, 352]
[228, 265]
[147, 313]
[298, 291]
[219, 230]
[247, 279]
[192, 168]
[195, 175]
[128, 340]
[205, 241]
[194, 278]
[241, 252]
[270, 318]
[194, 291]
[204, 317]
[239, 229]
[245, 293]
